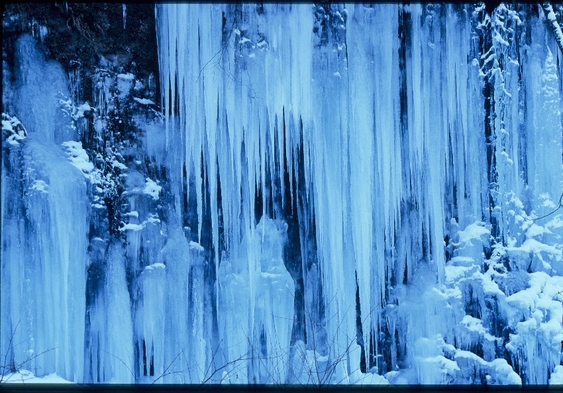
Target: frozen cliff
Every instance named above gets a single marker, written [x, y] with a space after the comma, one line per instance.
[297, 194]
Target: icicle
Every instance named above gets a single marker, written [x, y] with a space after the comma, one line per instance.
[392, 164]
[545, 174]
[116, 333]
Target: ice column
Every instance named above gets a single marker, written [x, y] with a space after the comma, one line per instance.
[110, 350]
[45, 230]
[543, 110]
[150, 320]
[273, 314]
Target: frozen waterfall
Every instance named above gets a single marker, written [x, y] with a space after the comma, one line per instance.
[45, 213]
[378, 136]
[332, 194]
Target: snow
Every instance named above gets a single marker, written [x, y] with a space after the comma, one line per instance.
[151, 219]
[538, 319]
[553, 20]
[155, 266]
[196, 246]
[85, 107]
[26, 376]
[124, 84]
[143, 101]
[557, 376]
[504, 374]
[40, 185]
[359, 378]
[152, 189]
[473, 231]
[534, 246]
[14, 127]
[128, 76]
[454, 273]
[473, 324]
[117, 164]
[535, 231]
[78, 157]
[132, 227]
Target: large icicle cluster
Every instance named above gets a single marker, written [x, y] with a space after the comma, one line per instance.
[378, 136]
[262, 92]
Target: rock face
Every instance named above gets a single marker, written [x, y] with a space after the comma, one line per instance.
[79, 33]
[312, 194]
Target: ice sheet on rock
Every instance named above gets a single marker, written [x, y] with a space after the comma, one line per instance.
[273, 313]
[110, 325]
[40, 86]
[47, 266]
[545, 127]
[234, 323]
[245, 118]
[172, 315]
[44, 244]
[151, 318]
[177, 334]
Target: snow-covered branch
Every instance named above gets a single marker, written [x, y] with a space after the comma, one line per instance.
[553, 24]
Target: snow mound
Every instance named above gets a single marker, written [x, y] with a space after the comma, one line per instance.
[143, 101]
[152, 189]
[26, 376]
[78, 157]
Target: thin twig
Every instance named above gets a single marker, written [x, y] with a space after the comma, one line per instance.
[549, 214]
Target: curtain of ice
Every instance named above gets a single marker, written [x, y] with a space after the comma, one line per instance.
[385, 117]
[233, 132]
[242, 98]
[543, 118]
[503, 61]
[529, 153]
[390, 124]
[373, 155]
[526, 123]
[423, 119]
[44, 229]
